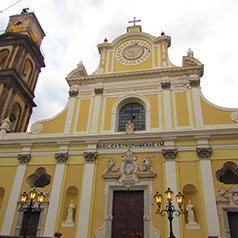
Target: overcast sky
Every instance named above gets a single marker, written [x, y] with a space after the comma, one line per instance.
[73, 29]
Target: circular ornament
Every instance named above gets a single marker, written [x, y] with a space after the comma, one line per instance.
[36, 128]
[234, 116]
[133, 52]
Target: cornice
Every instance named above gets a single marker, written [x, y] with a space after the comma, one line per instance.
[171, 72]
[213, 133]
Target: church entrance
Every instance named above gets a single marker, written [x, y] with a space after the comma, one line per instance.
[233, 221]
[128, 211]
[30, 223]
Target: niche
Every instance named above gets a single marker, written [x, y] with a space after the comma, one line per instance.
[190, 193]
[71, 195]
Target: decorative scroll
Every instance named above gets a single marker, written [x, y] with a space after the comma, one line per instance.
[112, 169]
[129, 127]
[229, 196]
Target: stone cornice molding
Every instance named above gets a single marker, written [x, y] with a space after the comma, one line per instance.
[170, 154]
[90, 157]
[172, 72]
[23, 158]
[204, 152]
[61, 157]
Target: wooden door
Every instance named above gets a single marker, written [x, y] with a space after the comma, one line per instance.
[30, 223]
[128, 211]
[233, 223]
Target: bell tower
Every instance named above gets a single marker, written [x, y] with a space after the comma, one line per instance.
[20, 64]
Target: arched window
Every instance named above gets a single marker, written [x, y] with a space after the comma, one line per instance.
[15, 116]
[27, 70]
[133, 112]
[3, 57]
[228, 174]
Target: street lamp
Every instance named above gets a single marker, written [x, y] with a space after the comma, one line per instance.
[28, 201]
[169, 209]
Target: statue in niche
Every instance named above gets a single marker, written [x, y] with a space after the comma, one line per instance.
[71, 208]
[190, 211]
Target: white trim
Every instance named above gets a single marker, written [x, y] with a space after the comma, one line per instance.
[12, 203]
[54, 200]
[107, 63]
[103, 114]
[83, 222]
[197, 107]
[69, 117]
[96, 112]
[209, 198]
[159, 57]
[171, 182]
[167, 109]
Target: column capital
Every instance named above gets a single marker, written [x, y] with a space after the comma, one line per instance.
[165, 85]
[170, 154]
[98, 91]
[194, 82]
[61, 157]
[204, 152]
[23, 158]
[90, 157]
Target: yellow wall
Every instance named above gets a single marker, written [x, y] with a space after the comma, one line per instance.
[75, 181]
[153, 99]
[108, 113]
[83, 115]
[182, 109]
[7, 176]
[55, 125]
[213, 116]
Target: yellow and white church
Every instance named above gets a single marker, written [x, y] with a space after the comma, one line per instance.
[137, 125]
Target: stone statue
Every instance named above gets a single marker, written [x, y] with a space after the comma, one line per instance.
[190, 211]
[71, 208]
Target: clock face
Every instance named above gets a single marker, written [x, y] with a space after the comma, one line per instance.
[133, 52]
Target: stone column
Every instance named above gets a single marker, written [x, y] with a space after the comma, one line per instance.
[83, 222]
[204, 154]
[54, 199]
[15, 193]
[171, 181]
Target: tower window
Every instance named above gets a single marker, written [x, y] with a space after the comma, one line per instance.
[133, 112]
[27, 70]
[3, 57]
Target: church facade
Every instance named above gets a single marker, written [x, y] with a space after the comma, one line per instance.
[137, 125]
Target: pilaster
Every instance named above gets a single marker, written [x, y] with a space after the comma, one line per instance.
[15, 193]
[84, 216]
[170, 154]
[61, 158]
[204, 154]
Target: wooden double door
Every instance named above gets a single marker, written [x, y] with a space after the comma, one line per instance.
[128, 211]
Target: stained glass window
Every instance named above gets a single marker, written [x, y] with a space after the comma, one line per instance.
[133, 112]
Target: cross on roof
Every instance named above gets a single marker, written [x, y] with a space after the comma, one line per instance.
[134, 21]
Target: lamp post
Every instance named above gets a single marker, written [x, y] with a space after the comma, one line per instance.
[169, 209]
[28, 200]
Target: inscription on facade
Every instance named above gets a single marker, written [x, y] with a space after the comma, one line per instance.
[130, 145]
